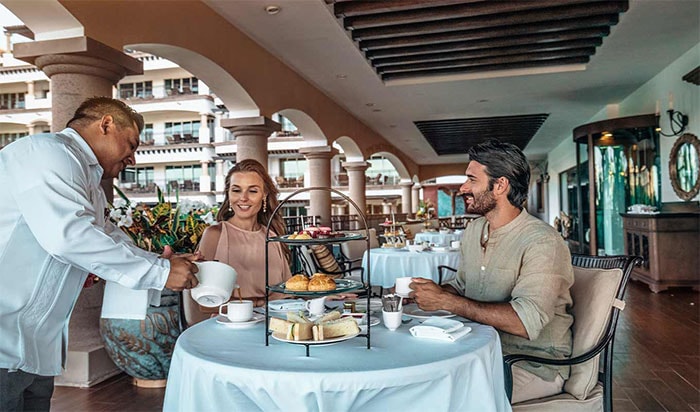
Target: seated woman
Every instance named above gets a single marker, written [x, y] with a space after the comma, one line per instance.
[239, 239]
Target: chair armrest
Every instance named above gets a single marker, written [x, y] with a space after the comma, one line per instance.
[510, 360]
[441, 270]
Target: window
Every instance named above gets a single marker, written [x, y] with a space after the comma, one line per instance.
[136, 176]
[182, 132]
[182, 175]
[187, 85]
[140, 90]
[293, 168]
[12, 101]
[147, 133]
[380, 165]
[7, 138]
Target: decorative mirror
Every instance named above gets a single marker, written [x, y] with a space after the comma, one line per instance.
[684, 166]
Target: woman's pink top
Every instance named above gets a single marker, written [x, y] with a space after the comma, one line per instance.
[244, 251]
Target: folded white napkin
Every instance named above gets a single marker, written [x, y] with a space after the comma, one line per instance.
[287, 304]
[448, 330]
[120, 302]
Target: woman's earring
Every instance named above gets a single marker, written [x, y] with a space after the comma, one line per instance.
[264, 205]
[230, 209]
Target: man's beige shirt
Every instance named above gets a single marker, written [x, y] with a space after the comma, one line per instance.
[527, 264]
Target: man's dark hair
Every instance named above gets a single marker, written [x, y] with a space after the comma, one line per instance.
[95, 108]
[504, 160]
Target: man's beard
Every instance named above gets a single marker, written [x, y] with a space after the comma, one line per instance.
[482, 203]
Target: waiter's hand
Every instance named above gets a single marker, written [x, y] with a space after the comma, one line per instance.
[182, 270]
[427, 294]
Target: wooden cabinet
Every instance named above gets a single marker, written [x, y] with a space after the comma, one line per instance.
[670, 246]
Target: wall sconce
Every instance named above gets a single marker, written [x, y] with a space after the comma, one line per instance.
[676, 119]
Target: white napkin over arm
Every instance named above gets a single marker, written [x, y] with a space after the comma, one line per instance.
[447, 330]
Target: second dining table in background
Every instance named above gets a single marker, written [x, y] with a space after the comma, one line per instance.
[438, 238]
[387, 264]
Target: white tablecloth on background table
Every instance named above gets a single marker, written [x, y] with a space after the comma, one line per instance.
[437, 238]
[387, 264]
[215, 368]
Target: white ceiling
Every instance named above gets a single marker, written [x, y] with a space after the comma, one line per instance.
[307, 37]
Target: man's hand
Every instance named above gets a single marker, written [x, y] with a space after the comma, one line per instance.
[182, 270]
[428, 295]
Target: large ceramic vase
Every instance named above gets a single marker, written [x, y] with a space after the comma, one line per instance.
[143, 348]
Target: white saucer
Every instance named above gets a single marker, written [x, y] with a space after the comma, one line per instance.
[240, 325]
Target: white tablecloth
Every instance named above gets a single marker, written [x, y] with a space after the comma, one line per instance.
[389, 264]
[215, 368]
[437, 238]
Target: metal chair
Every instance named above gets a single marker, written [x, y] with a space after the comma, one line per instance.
[599, 286]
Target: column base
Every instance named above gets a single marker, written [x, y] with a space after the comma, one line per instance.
[87, 367]
[149, 383]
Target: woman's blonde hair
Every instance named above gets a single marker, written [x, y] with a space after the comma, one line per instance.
[270, 200]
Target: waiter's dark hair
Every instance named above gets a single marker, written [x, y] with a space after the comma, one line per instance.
[95, 108]
[504, 160]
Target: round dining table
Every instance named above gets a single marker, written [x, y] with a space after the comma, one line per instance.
[387, 264]
[437, 238]
[217, 368]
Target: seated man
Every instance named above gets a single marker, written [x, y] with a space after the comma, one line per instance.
[515, 273]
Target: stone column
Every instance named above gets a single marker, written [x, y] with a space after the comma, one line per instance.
[406, 196]
[79, 68]
[218, 129]
[415, 198]
[220, 182]
[387, 207]
[204, 129]
[251, 135]
[29, 97]
[319, 160]
[357, 185]
[204, 178]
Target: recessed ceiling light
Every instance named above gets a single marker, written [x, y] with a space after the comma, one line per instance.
[482, 100]
[369, 104]
[376, 110]
[272, 10]
[341, 76]
[392, 126]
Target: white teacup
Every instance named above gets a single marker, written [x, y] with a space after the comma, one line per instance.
[216, 282]
[392, 320]
[237, 311]
[456, 244]
[316, 306]
[402, 286]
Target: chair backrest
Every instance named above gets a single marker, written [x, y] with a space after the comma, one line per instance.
[597, 292]
[354, 249]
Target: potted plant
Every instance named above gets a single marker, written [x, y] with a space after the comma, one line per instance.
[142, 348]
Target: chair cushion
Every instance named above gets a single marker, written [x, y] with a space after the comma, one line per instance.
[593, 293]
[325, 259]
[564, 402]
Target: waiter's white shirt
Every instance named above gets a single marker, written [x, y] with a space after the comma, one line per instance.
[53, 232]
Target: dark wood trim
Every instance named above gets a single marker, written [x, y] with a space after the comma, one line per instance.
[495, 43]
[645, 120]
[450, 12]
[356, 8]
[490, 52]
[486, 68]
[525, 17]
[596, 26]
[593, 236]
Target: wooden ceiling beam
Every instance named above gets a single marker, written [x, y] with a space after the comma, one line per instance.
[595, 24]
[486, 68]
[487, 51]
[356, 8]
[525, 17]
[497, 59]
[541, 38]
[450, 12]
